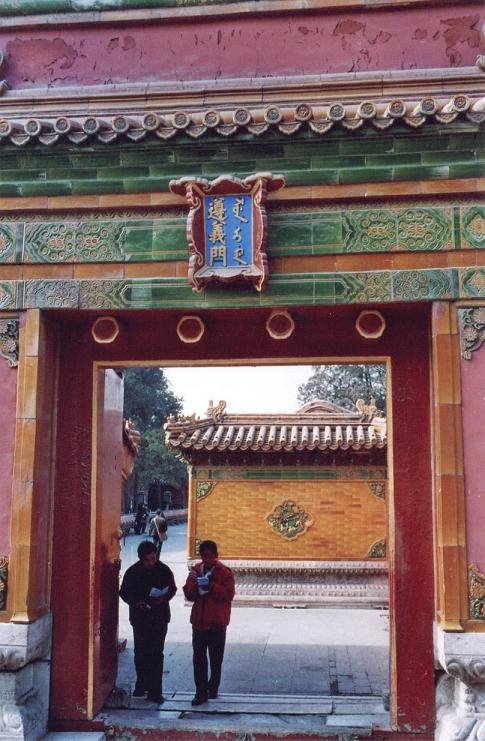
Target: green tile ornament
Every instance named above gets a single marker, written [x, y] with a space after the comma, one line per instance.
[472, 283]
[104, 294]
[409, 285]
[8, 295]
[473, 227]
[425, 229]
[7, 242]
[83, 241]
[52, 294]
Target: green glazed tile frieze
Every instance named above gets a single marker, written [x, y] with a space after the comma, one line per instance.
[409, 285]
[310, 232]
[8, 242]
[382, 286]
[290, 473]
[87, 241]
[305, 159]
[27, 7]
[473, 227]
[51, 294]
[472, 282]
[11, 294]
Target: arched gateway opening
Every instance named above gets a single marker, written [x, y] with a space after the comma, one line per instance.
[86, 511]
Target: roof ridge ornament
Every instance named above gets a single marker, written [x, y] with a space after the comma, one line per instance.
[369, 412]
[216, 412]
[322, 406]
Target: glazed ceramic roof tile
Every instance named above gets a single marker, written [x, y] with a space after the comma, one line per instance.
[316, 426]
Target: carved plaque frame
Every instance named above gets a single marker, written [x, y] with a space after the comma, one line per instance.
[195, 191]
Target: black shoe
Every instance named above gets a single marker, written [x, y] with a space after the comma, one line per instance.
[138, 692]
[159, 699]
[213, 694]
[200, 699]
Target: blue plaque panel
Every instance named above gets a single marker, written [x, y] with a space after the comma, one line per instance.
[228, 228]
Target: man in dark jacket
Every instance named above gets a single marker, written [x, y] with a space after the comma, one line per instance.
[147, 587]
[210, 586]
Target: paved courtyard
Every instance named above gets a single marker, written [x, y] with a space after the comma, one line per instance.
[297, 652]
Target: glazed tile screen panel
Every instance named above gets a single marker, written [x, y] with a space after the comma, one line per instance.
[131, 237]
[290, 519]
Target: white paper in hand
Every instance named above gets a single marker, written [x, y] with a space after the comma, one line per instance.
[154, 592]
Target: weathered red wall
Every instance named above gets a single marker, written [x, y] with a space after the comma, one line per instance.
[473, 406]
[307, 43]
[8, 401]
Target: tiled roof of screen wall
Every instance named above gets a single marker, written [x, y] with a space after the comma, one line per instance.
[319, 425]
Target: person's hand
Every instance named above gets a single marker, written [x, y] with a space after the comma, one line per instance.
[193, 574]
[141, 605]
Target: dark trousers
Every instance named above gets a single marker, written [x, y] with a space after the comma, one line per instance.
[210, 641]
[149, 637]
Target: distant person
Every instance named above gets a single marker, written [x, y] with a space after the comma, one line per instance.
[141, 518]
[147, 587]
[158, 530]
[210, 586]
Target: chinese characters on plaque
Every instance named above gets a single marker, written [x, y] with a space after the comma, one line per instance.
[227, 228]
[228, 231]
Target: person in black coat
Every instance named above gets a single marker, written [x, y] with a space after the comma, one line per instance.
[147, 588]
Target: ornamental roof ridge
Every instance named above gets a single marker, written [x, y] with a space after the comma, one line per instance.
[317, 425]
[288, 105]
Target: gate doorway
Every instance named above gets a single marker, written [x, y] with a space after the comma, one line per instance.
[302, 584]
[329, 335]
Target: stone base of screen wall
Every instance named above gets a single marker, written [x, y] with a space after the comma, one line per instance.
[24, 678]
[310, 583]
[460, 692]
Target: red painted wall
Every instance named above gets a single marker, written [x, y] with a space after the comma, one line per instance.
[473, 410]
[8, 401]
[305, 43]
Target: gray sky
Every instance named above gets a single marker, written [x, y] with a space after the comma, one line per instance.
[246, 389]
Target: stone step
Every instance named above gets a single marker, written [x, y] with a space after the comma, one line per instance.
[249, 704]
[268, 704]
[233, 714]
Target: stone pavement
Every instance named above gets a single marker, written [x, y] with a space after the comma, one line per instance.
[270, 651]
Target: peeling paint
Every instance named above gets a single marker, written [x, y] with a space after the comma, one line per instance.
[128, 43]
[460, 31]
[316, 43]
[420, 34]
[348, 26]
[41, 53]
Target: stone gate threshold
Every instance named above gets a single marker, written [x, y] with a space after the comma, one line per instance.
[248, 717]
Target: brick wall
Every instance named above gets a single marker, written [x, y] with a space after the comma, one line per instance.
[347, 519]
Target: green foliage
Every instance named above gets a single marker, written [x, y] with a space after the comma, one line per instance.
[344, 384]
[148, 398]
[148, 403]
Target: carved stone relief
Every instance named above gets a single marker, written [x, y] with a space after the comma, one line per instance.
[378, 489]
[3, 582]
[9, 341]
[477, 593]
[289, 520]
[472, 330]
[378, 549]
[460, 692]
[203, 489]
